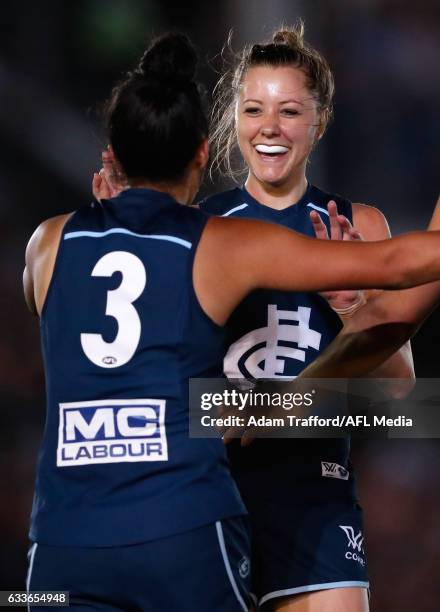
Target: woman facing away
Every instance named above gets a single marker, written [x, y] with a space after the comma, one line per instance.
[132, 295]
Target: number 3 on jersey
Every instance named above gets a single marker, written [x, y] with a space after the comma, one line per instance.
[120, 306]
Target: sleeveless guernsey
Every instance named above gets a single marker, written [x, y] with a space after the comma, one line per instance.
[122, 332]
[274, 334]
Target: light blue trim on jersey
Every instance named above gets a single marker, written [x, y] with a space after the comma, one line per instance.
[314, 587]
[221, 541]
[122, 230]
[318, 208]
[233, 210]
[254, 599]
[33, 550]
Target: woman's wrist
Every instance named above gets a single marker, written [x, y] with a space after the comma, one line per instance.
[347, 312]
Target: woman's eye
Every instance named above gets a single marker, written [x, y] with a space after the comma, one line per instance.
[251, 110]
[290, 112]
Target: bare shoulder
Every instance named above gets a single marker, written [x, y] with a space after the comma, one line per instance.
[370, 221]
[46, 236]
[40, 259]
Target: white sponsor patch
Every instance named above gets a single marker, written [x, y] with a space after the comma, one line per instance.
[334, 470]
[111, 431]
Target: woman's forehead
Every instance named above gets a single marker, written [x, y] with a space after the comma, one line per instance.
[279, 81]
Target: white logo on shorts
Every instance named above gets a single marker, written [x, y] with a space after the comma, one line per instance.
[356, 543]
[334, 470]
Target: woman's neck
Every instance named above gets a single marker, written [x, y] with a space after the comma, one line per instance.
[182, 193]
[276, 196]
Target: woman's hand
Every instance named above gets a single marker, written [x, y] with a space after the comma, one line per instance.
[340, 229]
[110, 180]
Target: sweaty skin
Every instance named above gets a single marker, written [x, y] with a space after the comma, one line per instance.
[378, 329]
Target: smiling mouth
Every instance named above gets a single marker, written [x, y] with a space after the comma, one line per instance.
[271, 152]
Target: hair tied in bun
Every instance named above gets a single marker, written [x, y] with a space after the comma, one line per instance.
[171, 57]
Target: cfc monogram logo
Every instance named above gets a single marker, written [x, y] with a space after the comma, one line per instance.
[259, 354]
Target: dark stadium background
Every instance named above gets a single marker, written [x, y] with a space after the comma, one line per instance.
[58, 61]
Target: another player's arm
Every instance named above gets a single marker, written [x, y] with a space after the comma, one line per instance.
[236, 256]
[375, 332]
[41, 254]
[378, 329]
[373, 225]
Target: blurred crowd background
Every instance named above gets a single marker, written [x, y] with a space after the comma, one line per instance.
[58, 62]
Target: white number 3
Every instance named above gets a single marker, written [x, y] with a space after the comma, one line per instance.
[120, 306]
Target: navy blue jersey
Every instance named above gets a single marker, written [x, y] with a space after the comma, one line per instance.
[122, 332]
[274, 334]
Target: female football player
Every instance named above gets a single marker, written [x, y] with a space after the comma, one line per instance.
[275, 104]
[168, 278]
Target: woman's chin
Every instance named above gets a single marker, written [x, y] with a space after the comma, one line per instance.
[272, 179]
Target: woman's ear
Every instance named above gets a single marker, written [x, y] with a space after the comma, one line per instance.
[324, 117]
[202, 154]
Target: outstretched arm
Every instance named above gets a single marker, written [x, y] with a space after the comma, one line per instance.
[378, 329]
[369, 224]
[236, 256]
[375, 332]
[374, 226]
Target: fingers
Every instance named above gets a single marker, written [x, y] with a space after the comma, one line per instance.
[340, 227]
[349, 232]
[231, 433]
[246, 434]
[318, 225]
[108, 169]
[107, 161]
[100, 188]
[345, 227]
[227, 432]
[248, 437]
[336, 231]
[339, 224]
[112, 172]
[96, 184]
[354, 234]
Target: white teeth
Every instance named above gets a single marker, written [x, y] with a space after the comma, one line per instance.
[261, 148]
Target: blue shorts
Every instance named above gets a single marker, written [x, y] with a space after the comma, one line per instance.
[204, 569]
[307, 529]
[303, 548]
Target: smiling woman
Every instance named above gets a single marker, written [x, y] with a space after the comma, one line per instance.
[274, 105]
[278, 124]
[286, 84]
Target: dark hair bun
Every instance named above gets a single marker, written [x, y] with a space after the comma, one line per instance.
[169, 57]
[155, 116]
